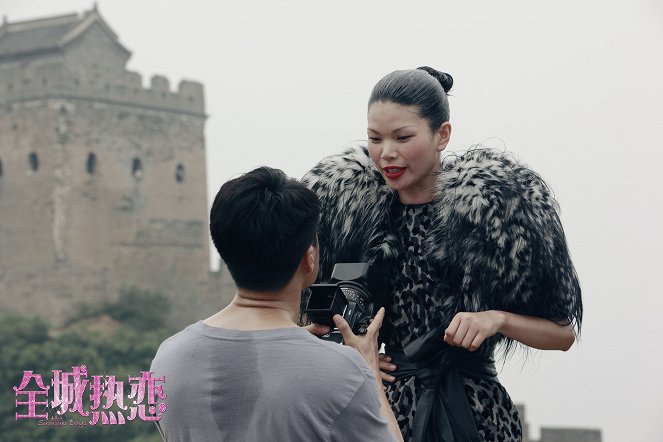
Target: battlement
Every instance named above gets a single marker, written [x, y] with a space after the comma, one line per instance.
[80, 57]
[108, 167]
[125, 88]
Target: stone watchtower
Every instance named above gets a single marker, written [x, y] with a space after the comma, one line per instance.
[102, 181]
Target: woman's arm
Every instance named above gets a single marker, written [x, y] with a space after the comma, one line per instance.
[469, 330]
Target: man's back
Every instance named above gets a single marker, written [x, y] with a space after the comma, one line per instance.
[267, 385]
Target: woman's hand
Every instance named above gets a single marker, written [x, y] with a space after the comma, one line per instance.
[469, 330]
[386, 365]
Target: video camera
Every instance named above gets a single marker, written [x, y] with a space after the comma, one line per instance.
[346, 294]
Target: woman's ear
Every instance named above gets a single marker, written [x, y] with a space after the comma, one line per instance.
[443, 136]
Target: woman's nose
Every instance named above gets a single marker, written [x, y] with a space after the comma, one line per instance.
[388, 151]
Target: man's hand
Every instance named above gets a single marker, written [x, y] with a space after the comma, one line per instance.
[366, 345]
[317, 329]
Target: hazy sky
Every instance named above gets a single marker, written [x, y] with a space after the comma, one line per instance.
[574, 88]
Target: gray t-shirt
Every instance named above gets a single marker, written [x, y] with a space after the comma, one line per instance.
[266, 385]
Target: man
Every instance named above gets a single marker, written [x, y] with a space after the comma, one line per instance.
[249, 373]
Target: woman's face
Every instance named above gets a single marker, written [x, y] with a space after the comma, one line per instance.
[405, 150]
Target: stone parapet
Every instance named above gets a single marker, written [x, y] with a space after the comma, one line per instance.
[57, 81]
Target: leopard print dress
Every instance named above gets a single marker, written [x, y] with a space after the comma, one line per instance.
[414, 310]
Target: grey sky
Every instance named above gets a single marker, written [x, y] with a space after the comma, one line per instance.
[572, 87]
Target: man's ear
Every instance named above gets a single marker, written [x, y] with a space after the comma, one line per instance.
[308, 260]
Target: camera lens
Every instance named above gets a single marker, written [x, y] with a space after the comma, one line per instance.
[356, 295]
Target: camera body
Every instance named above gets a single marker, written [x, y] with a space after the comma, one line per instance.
[346, 294]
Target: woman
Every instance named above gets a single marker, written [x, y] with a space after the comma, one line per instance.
[466, 253]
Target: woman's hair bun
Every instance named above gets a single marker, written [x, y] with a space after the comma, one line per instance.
[446, 80]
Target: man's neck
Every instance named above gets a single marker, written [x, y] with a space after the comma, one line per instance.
[253, 310]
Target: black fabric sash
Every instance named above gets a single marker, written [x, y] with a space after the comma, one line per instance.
[443, 413]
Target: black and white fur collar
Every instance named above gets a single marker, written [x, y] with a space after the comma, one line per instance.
[497, 241]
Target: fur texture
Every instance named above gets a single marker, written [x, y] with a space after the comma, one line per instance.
[497, 241]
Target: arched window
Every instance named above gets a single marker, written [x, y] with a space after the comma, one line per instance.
[137, 168]
[33, 159]
[91, 164]
[179, 173]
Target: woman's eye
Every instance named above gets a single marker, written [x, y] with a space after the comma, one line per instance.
[404, 137]
[374, 139]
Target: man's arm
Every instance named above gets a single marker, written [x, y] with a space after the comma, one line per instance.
[362, 419]
[367, 346]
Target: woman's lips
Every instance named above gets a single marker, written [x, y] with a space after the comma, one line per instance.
[393, 172]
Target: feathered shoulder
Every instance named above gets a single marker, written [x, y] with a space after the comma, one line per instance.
[355, 209]
[498, 231]
[497, 241]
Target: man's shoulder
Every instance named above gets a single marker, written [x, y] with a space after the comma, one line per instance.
[314, 355]
[172, 348]
[308, 350]
[338, 354]
[183, 335]
[280, 337]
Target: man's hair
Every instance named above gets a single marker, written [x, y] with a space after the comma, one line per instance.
[261, 224]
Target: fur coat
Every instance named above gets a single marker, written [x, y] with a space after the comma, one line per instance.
[496, 242]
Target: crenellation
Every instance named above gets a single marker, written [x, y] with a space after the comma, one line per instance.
[118, 190]
[558, 434]
[20, 85]
[192, 90]
[159, 83]
[134, 80]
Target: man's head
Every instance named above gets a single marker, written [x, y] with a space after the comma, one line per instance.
[262, 224]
